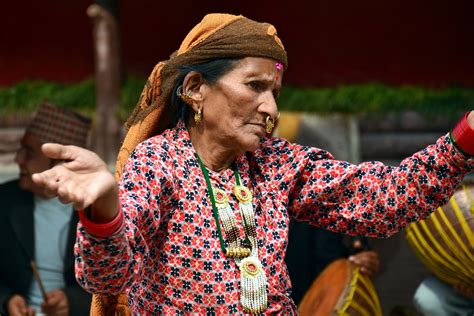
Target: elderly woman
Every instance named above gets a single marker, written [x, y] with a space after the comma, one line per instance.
[199, 220]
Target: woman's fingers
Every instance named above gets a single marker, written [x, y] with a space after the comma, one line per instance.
[81, 178]
[76, 195]
[76, 190]
[73, 158]
[57, 181]
[48, 180]
[65, 194]
[59, 152]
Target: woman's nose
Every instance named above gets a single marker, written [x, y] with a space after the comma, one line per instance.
[269, 105]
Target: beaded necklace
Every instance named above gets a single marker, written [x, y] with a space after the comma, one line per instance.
[253, 281]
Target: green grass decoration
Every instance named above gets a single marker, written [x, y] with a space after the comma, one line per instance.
[22, 98]
[375, 97]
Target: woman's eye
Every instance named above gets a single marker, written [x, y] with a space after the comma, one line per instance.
[255, 85]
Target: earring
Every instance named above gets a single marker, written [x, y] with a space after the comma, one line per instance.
[198, 117]
[269, 124]
[185, 97]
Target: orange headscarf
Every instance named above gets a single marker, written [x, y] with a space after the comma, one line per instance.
[216, 36]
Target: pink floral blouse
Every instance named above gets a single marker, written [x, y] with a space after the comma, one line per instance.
[168, 257]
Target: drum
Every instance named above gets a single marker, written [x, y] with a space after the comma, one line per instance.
[341, 290]
[113, 305]
[444, 241]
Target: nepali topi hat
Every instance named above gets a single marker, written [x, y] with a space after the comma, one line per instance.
[52, 124]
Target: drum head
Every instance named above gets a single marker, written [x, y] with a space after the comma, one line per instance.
[341, 290]
[326, 290]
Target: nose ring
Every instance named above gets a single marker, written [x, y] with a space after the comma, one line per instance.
[269, 124]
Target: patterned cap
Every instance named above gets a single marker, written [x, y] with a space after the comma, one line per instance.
[53, 124]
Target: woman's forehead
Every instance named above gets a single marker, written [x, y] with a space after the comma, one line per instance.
[258, 67]
[258, 64]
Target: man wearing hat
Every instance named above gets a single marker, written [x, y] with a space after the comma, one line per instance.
[37, 233]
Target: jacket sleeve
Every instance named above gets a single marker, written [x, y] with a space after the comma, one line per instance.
[369, 199]
[109, 265]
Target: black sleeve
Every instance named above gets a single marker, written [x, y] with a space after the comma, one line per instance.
[79, 300]
[5, 295]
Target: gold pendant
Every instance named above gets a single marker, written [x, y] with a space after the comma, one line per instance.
[220, 197]
[243, 194]
[253, 283]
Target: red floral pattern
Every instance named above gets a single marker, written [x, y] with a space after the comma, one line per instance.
[168, 258]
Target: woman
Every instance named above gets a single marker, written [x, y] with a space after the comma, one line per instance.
[199, 222]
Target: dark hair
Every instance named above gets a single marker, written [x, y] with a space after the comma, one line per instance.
[211, 72]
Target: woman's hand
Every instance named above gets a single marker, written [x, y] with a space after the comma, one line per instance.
[82, 178]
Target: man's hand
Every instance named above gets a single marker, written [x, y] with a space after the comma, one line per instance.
[367, 260]
[16, 306]
[56, 304]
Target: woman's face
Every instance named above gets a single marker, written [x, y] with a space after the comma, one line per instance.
[235, 108]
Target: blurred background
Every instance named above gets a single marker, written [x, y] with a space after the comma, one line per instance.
[368, 80]
[427, 43]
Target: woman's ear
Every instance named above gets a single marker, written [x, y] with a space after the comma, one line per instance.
[192, 85]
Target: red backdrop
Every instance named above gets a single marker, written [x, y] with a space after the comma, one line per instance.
[429, 43]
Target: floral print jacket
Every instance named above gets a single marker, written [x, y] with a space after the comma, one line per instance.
[168, 257]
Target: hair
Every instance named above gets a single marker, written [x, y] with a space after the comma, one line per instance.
[211, 72]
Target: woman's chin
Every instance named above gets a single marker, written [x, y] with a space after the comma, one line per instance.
[252, 144]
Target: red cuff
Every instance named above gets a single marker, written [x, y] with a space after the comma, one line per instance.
[463, 136]
[102, 230]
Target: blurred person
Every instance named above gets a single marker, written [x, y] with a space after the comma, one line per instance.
[434, 297]
[444, 243]
[35, 227]
[311, 250]
[198, 220]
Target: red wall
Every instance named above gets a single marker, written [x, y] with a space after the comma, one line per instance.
[429, 43]
[48, 39]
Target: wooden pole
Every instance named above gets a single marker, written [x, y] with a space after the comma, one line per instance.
[106, 133]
